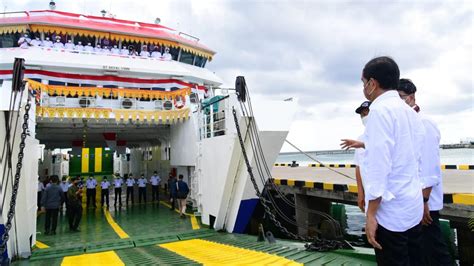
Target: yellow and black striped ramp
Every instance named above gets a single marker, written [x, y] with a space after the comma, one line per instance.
[340, 165]
[457, 198]
[332, 165]
[457, 167]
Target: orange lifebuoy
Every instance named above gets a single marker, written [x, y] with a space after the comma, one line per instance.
[179, 104]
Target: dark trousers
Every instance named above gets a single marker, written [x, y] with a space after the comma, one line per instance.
[51, 221]
[118, 195]
[104, 195]
[155, 193]
[174, 200]
[40, 194]
[90, 196]
[434, 247]
[74, 214]
[129, 193]
[141, 193]
[399, 248]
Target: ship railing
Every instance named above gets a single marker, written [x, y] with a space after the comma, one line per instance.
[213, 124]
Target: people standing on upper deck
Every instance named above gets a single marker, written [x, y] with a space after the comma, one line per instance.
[47, 43]
[36, 42]
[24, 41]
[155, 183]
[69, 45]
[79, 47]
[124, 51]
[434, 247]
[142, 188]
[118, 181]
[393, 136]
[182, 191]
[104, 192]
[51, 201]
[40, 192]
[130, 183]
[97, 49]
[91, 185]
[64, 187]
[74, 205]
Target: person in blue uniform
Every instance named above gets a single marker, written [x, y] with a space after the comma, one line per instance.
[142, 189]
[104, 193]
[118, 181]
[155, 183]
[91, 185]
[130, 182]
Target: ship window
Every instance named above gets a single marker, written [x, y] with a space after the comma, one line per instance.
[9, 40]
[199, 61]
[174, 53]
[204, 62]
[58, 83]
[88, 85]
[110, 86]
[186, 58]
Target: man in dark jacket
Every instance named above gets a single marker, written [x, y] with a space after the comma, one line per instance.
[51, 200]
[182, 194]
[74, 205]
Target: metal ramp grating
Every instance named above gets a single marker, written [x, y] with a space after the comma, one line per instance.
[196, 234]
[109, 245]
[49, 253]
[153, 240]
[152, 255]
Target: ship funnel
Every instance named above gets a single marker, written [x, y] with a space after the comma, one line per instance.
[52, 5]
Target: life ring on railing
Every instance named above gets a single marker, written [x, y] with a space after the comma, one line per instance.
[179, 104]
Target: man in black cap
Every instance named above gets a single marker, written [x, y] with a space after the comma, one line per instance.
[363, 111]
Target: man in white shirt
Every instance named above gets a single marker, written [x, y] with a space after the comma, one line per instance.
[435, 251]
[104, 193]
[115, 50]
[64, 187]
[130, 182]
[118, 181]
[58, 44]
[36, 42]
[156, 53]
[79, 47]
[47, 43]
[88, 48]
[97, 49]
[24, 42]
[124, 51]
[393, 137]
[155, 183]
[166, 55]
[144, 52]
[69, 45]
[142, 188]
[91, 184]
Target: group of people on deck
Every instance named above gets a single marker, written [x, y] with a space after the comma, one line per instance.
[53, 195]
[398, 170]
[145, 51]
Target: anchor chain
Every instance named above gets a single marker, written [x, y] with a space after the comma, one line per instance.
[19, 165]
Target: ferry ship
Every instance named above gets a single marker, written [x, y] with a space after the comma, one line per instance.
[130, 98]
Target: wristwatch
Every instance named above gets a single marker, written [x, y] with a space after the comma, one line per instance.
[425, 200]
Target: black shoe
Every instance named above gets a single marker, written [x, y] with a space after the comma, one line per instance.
[47, 233]
[53, 233]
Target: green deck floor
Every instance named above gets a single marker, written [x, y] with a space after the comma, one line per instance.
[151, 224]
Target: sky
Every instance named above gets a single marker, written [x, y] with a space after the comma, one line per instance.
[314, 51]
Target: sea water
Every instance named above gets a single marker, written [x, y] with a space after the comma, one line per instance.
[355, 217]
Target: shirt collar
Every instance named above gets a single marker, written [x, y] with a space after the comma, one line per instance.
[386, 95]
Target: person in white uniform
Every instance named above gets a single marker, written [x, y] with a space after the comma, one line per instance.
[435, 251]
[118, 182]
[79, 47]
[115, 50]
[69, 45]
[156, 53]
[144, 52]
[58, 44]
[390, 169]
[166, 55]
[24, 41]
[155, 180]
[130, 183]
[124, 51]
[89, 48]
[47, 43]
[91, 185]
[97, 49]
[104, 193]
[36, 42]
[142, 188]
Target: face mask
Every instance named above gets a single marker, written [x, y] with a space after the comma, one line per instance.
[364, 120]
